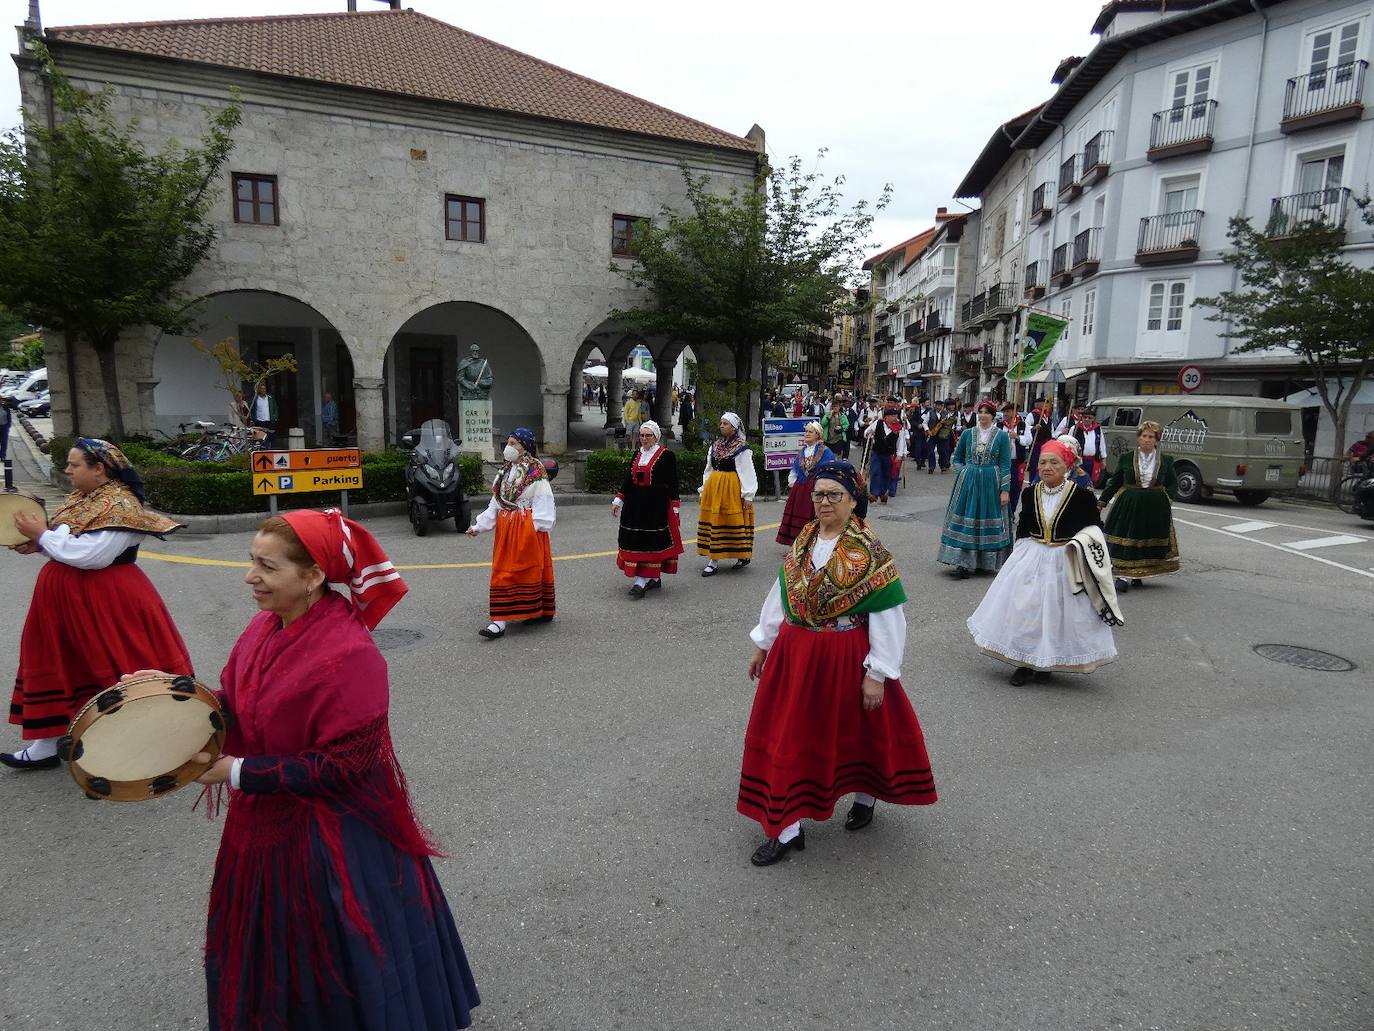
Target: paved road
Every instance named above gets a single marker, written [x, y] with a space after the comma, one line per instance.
[1181, 841]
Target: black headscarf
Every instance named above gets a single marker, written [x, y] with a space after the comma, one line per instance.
[847, 477]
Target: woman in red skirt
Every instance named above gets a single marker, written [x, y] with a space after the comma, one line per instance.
[522, 514]
[94, 615]
[799, 510]
[830, 716]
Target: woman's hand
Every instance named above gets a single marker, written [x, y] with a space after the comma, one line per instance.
[30, 524]
[746, 504]
[1006, 497]
[217, 772]
[756, 663]
[615, 511]
[140, 673]
[873, 693]
[471, 531]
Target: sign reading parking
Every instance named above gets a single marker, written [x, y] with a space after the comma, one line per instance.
[298, 472]
[1189, 378]
[782, 442]
[299, 483]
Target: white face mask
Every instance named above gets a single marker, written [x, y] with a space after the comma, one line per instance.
[511, 453]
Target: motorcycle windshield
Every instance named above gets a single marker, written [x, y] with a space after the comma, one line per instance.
[436, 443]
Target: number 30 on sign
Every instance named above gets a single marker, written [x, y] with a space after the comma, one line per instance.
[1189, 378]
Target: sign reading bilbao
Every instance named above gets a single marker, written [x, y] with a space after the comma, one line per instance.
[298, 472]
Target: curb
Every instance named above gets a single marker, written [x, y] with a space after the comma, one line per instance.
[34, 435]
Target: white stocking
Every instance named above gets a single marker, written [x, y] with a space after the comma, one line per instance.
[789, 832]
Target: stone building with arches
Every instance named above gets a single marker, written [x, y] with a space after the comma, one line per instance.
[399, 189]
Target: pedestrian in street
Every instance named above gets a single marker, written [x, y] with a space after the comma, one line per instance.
[976, 534]
[941, 436]
[1052, 605]
[325, 911]
[686, 411]
[916, 432]
[1019, 437]
[94, 615]
[835, 427]
[725, 527]
[601, 397]
[5, 421]
[1041, 423]
[264, 414]
[1139, 500]
[967, 418]
[329, 418]
[799, 509]
[649, 509]
[830, 716]
[522, 513]
[888, 441]
[631, 416]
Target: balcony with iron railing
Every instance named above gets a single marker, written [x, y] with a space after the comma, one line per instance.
[1001, 303]
[1186, 129]
[912, 330]
[1068, 178]
[1168, 238]
[997, 356]
[1087, 252]
[1034, 280]
[1059, 265]
[974, 309]
[1327, 206]
[1097, 158]
[1042, 201]
[1333, 94]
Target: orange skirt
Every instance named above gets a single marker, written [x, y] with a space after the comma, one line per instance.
[521, 569]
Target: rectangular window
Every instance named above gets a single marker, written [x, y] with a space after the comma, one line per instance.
[1154, 314]
[1273, 424]
[1126, 417]
[624, 229]
[1321, 173]
[465, 218]
[1165, 333]
[1089, 312]
[1018, 215]
[1066, 312]
[1177, 291]
[255, 199]
[1333, 48]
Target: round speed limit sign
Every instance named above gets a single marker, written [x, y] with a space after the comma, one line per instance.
[1189, 378]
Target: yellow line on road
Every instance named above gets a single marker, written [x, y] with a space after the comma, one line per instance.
[189, 560]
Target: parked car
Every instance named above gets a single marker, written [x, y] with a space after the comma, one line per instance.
[36, 383]
[1246, 446]
[38, 407]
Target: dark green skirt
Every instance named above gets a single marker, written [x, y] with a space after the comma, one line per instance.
[1140, 533]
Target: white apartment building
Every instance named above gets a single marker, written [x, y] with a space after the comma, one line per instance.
[1185, 114]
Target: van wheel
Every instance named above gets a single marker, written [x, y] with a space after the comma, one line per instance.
[1251, 498]
[1189, 483]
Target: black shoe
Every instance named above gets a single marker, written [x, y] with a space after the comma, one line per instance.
[636, 592]
[491, 634]
[1042, 675]
[1122, 585]
[16, 761]
[655, 584]
[860, 816]
[709, 571]
[740, 563]
[961, 572]
[1021, 676]
[773, 850]
[542, 619]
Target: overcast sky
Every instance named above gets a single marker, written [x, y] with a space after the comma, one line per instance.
[898, 91]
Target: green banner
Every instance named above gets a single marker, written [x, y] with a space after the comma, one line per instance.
[1042, 333]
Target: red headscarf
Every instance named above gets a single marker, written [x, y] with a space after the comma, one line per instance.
[1064, 453]
[349, 554]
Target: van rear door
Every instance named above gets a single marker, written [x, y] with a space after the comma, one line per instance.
[1275, 449]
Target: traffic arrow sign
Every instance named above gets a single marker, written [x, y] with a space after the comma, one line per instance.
[263, 486]
[262, 461]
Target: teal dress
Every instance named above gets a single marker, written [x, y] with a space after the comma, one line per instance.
[977, 533]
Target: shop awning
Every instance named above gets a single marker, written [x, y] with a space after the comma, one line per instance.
[1043, 375]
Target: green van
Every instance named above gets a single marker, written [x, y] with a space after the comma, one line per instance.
[1248, 446]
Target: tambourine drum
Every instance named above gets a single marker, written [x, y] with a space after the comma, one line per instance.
[134, 741]
[11, 504]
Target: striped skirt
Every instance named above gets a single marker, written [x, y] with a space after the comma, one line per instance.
[725, 528]
[521, 569]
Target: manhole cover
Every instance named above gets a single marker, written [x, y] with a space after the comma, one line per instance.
[1304, 658]
[395, 637]
[896, 517]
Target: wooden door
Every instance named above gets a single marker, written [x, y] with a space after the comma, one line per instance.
[426, 385]
[282, 386]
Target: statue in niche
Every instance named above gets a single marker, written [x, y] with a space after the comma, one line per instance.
[474, 376]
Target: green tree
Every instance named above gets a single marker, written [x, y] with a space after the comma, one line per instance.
[97, 233]
[11, 328]
[748, 267]
[1299, 295]
[235, 373]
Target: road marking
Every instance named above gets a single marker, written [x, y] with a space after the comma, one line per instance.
[1249, 527]
[1324, 542]
[1277, 547]
[1195, 510]
[190, 560]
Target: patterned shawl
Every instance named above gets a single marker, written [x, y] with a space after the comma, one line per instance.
[506, 493]
[860, 577]
[111, 506]
[725, 448]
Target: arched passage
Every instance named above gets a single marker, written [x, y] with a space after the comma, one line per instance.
[421, 369]
[183, 384]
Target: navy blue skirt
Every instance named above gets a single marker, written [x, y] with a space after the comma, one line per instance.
[419, 978]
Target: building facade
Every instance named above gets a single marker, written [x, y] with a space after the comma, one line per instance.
[398, 190]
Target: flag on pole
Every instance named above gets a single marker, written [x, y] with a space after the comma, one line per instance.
[1042, 333]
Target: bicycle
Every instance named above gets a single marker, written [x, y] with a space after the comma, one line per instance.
[1345, 490]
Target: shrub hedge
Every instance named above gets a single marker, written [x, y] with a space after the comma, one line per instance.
[173, 484]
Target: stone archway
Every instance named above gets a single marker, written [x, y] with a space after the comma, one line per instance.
[421, 365]
[180, 384]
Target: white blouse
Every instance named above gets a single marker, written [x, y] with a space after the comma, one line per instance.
[95, 549]
[537, 496]
[744, 466]
[1149, 467]
[886, 629]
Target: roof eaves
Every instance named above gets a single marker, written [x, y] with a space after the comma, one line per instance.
[993, 155]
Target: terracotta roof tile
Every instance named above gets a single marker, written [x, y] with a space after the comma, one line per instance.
[401, 52]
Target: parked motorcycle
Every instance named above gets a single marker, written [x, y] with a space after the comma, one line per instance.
[434, 483]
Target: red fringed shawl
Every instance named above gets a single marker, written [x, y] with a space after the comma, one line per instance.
[309, 716]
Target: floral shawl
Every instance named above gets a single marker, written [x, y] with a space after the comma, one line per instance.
[111, 506]
[725, 448]
[507, 494]
[861, 577]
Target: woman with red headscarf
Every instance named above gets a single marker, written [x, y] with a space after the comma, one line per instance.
[1034, 616]
[325, 912]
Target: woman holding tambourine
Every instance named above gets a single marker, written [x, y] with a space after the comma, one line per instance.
[325, 911]
[94, 614]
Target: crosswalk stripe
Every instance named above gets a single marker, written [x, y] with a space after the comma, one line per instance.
[1249, 527]
[1323, 542]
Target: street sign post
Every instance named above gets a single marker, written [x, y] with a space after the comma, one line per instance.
[312, 469]
[1189, 378]
[782, 442]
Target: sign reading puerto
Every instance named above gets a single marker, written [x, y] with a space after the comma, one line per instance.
[296, 472]
[1189, 378]
[782, 442]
